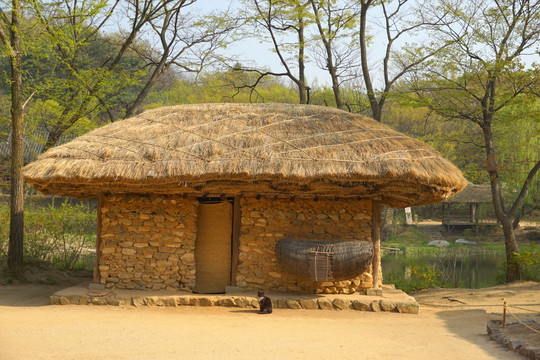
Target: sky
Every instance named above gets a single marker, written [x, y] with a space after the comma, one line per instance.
[253, 52]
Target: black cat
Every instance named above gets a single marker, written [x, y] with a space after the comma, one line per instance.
[265, 303]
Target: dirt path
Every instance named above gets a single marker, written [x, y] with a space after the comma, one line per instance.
[31, 330]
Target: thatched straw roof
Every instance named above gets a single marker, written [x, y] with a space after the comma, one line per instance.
[473, 194]
[242, 149]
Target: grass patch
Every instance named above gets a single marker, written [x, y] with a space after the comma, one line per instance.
[408, 237]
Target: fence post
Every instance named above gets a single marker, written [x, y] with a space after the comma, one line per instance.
[504, 314]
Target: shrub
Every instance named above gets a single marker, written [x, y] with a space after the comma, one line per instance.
[416, 277]
[60, 234]
[56, 234]
[528, 260]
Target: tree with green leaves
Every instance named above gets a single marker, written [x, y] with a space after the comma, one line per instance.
[63, 29]
[90, 82]
[186, 42]
[398, 21]
[284, 24]
[336, 23]
[480, 74]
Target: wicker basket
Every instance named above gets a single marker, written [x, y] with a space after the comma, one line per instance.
[324, 260]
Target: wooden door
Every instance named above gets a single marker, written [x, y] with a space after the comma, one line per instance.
[213, 247]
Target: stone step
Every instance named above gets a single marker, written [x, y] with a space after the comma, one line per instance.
[396, 302]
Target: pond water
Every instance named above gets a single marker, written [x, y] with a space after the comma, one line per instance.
[457, 267]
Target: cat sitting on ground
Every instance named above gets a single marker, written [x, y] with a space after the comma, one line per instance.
[265, 303]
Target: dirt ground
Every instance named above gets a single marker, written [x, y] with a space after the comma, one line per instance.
[451, 325]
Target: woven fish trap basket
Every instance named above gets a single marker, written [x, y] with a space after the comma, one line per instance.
[324, 260]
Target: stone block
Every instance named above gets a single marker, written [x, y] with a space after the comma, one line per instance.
[108, 250]
[126, 251]
[361, 306]
[375, 306]
[309, 304]
[183, 300]
[341, 304]
[325, 304]
[112, 300]
[387, 305]
[227, 302]
[204, 301]
[62, 300]
[408, 308]
[83, 300]
[98, 300]
[292, 304]
[243, 302]
[516, 344]
[280, 304]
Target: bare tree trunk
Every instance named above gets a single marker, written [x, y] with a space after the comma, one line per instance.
[502, 213]
[330, 63]
[375, 108]
[158, 72]
[302, 91]
[16, 229]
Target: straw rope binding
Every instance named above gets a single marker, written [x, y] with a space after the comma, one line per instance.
[190, 148]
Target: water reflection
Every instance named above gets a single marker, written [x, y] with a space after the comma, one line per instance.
[469, 268]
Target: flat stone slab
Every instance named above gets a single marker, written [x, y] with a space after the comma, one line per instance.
[390, 299]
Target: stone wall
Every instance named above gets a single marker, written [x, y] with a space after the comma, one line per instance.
[266, 221]
[148, 242]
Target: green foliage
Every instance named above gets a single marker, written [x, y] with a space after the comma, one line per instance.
[55, 234]
[519, 150]
[408, 237]
[457, 141]
[71, 83]
[220, 87]
[528, 260]
[417, 277]
[60, 234]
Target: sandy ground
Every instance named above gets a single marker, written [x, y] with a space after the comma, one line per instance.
[444, 329]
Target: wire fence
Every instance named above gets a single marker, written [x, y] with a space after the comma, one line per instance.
[34, 143]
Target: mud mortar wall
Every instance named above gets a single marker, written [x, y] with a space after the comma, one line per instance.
[148, 242]
[266, 221]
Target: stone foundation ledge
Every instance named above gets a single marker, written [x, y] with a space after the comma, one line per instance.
[393, 300]
[517, 345]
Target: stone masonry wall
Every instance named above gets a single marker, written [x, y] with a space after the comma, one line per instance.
[265, 221]
[148, 242]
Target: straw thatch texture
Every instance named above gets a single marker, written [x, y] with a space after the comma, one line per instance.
[324, 260]
[473, 194]
[242, 149]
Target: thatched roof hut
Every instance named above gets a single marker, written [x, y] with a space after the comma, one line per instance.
[473, 193]
[240, 149]
[454, 214]
[199, 197]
